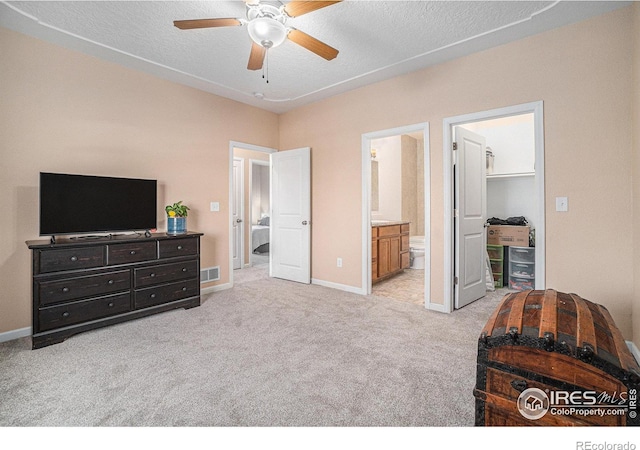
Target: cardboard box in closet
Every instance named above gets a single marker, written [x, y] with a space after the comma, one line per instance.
[508, 235]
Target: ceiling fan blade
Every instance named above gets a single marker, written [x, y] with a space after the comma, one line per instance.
[298, 8]
[312, 44]
[256, 58]
[206, 23]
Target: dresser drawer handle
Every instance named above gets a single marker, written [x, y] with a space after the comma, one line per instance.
[184, 289]
[65, 314]
[152, 275]
[110, 282]
[153, 296]
[65, 289]
[132, 252]
[110, 305]
[179, 247]
[184, 269]
[74, 258]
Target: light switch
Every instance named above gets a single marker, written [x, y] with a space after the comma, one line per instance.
[562, 204]
[215, 206]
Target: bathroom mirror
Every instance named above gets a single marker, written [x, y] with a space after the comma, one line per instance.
[374, 186]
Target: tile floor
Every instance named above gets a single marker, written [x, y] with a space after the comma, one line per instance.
[407, 286]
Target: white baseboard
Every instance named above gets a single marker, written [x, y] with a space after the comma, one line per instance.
[216, 288]
[341, 287]
[15, 334]
[437, 307]
[634, 351]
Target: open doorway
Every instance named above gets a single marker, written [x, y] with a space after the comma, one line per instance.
[260, 212]
[396, 213]
[514, 187]
[249, 200]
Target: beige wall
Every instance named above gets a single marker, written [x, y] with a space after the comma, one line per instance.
[62, 111]
[636, 173]
[581, 72]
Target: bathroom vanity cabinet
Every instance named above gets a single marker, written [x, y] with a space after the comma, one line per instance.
[389, 250]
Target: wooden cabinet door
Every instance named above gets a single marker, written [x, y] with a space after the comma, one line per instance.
[394, 254]
[405, 260]
[384, 257]
[374, 259]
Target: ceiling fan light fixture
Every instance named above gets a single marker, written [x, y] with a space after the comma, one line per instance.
[267, 32]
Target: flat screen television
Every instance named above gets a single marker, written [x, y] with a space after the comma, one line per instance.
[79, 204]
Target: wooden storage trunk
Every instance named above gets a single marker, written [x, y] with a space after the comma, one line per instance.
[546, 358]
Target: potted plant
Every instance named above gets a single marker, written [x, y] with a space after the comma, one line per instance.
[176, 218]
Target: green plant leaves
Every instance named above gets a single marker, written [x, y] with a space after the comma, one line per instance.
[178, 208]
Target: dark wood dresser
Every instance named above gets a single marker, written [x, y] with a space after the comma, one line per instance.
[84, 284]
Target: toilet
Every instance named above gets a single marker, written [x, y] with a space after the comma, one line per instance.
[416, 252]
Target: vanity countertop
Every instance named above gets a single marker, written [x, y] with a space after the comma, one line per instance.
[384, 223]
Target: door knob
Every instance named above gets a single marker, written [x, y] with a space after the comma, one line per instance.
[304, 222]
[238, 220]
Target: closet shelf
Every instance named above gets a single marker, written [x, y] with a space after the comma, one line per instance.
[510, 175]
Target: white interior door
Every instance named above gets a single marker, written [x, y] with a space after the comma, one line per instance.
[237, 210]
[290, 233]
[470, 212]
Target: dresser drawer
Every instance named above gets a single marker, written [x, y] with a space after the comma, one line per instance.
[522, 254]
[165, 293]
[57, 316]
[70, 259]
[178, 247]
[130, 252]
[82, 287]
[165, 273]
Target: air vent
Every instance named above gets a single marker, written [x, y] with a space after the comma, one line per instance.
[210, 274]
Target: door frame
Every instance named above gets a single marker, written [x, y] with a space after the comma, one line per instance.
[252, 163]
[422, 127]
[449, 192]
[242, 146]
[239, 186]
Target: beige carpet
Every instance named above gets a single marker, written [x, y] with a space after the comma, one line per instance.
[265, 353]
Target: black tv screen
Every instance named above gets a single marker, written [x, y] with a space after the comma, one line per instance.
[72, 204]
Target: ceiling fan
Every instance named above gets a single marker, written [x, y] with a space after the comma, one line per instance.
[267, 27]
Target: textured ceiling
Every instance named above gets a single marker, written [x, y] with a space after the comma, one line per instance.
[376, 40]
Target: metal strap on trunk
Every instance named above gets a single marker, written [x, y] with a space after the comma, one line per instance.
[490, 325]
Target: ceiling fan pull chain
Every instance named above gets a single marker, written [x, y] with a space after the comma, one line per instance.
[266, 65]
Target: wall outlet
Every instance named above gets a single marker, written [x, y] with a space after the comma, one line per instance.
[339, 262]
[215, 206]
